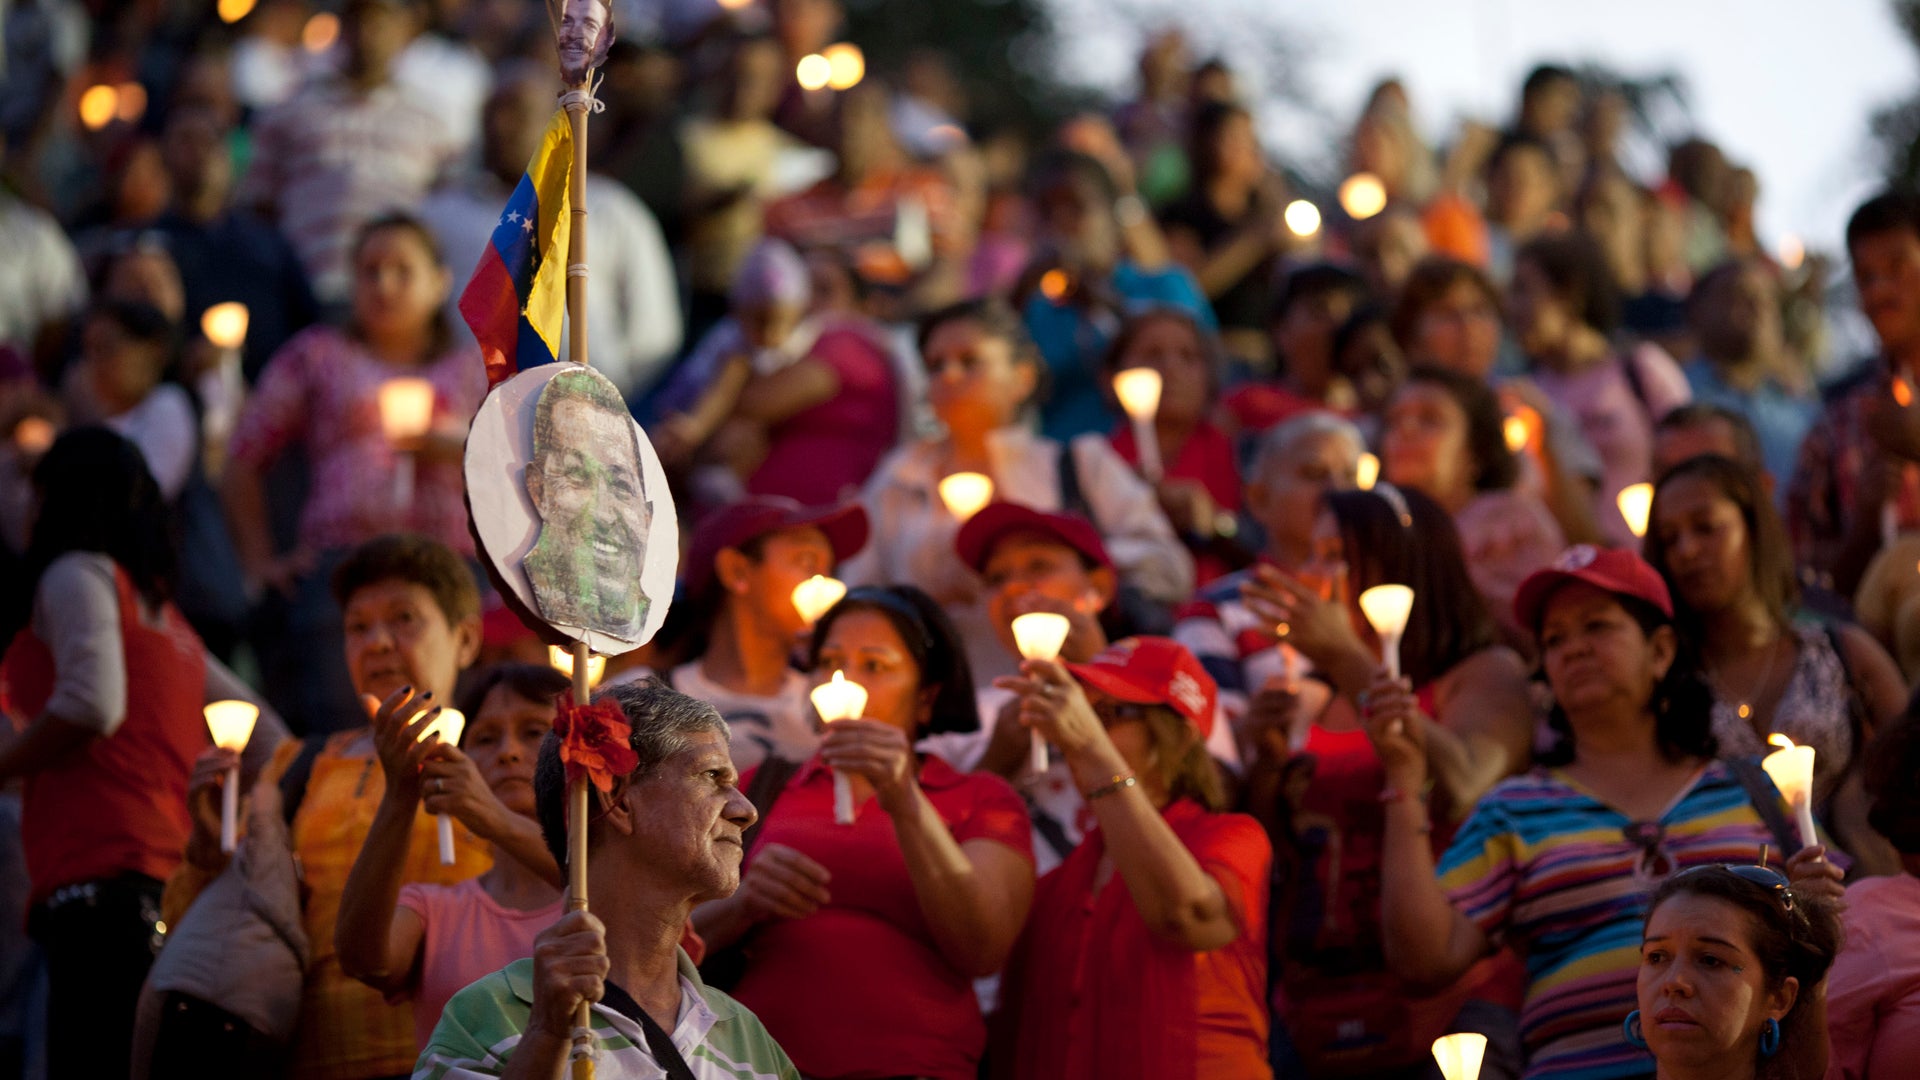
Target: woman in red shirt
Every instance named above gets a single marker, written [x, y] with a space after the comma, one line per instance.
[1163, 972]
[1200, 488]
[861, 941]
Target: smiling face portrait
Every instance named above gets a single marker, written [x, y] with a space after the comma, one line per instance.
[587, 488]
[584, 37]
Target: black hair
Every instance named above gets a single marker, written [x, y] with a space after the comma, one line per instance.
[1577, 271]
[1545, 75]
[140, 322]
[1000, 320]
[1682, 701]
[1058, 167]
[1795, 935]
[1514, 142]
[97, 495]
[662, 719]
[1746, 440]
[1495, 466]
[1770, 557]
[1140, 320]
[1203, 131]
[417, 560]
[1433, 278]
[416, 227]
[530, 682]
[932, 642]
[1314, 279]
[1892, 760]
[1450, 620]
[1893, 210]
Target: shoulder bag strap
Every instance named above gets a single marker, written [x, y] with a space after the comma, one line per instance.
[659, 1043]
[293, 782]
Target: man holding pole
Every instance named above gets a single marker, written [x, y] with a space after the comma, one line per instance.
[664, 837]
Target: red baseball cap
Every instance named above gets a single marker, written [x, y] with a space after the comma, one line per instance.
[730, 526]
[1154, 671]
[1615, 570]
[976, 540]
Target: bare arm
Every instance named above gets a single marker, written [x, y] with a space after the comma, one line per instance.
[974, 895]
[374, 946]
[772, 399]
[1485, 729]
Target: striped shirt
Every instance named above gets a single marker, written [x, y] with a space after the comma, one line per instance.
[1551, 869]
[718, 1038]
[1234, 645]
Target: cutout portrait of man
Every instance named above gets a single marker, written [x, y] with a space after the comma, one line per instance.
[587, 487]
[585, 35]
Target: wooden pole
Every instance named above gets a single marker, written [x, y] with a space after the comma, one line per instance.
[577, 811]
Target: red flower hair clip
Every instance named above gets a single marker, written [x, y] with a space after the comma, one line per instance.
[594, 742]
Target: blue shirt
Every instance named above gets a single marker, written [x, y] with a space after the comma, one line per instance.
[1073, 342]
[1780, 418]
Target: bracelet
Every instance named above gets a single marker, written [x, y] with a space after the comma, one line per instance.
[1393, 794]
[1118, 783]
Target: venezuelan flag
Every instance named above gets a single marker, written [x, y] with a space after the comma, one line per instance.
[518, 293]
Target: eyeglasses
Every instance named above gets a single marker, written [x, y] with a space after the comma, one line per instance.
[1764, 876]
[1650, 837]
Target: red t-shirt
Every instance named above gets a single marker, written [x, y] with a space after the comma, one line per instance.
[119, 804]
[1206, 456]
[858, 988]
[1093, 993]
[824, 454]
[1259, 406]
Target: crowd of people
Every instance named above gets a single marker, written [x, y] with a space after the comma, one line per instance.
[1232, 830]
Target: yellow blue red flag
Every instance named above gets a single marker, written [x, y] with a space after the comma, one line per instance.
[518, 294]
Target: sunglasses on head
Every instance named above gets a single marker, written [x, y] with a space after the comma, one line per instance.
[1764, 876]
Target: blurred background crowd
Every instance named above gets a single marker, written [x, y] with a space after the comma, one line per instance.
[826, 278]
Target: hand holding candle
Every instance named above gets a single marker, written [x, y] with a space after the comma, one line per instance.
[965, 493]
[1460, 1055]
[1139, 392]
[839, 699]
[1791, 770]
[1386, 608]
[816, 596]
[231, 724]
[446, 727]
[1039, 636]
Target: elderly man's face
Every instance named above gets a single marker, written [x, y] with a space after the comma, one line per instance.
[581, 24]
[690, 815]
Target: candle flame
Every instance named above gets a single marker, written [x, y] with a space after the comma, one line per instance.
[1902, 393]
[1636, 505]
[1040, 634]
[1303, 218]
[1362, 195]
[561, 660]
[1459, 1055]
[406, 407]
[231, 723]
[839, 698]
[1139, 392]
[446, 727]
[1777, 739]
[225, 324]
[816, 596]
[965, 493]
[1387, 608]
[1367, 473]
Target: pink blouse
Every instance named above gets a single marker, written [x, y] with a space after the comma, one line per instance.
[322, 391]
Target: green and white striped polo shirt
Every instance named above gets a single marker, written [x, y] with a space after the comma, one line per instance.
[718, 1037]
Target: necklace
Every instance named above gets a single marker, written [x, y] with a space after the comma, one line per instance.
[1743, 703]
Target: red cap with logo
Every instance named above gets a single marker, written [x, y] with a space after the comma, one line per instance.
[1154, 671]
[731, 526]
[1615, 570]
[976, 539]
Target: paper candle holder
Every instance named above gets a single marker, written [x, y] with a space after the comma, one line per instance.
[1139, 392]
[561, 660]
[231, 723]
[1386, 608]
[1636, 505]
[225, 324]
[839, 698]
[1040, 634]
[1459, 1055]
[816, 596]
[966, 493]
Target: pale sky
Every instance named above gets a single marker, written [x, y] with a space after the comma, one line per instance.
[1784, 86]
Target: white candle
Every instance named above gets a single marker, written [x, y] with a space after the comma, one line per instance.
[1039, 635]
[231, 725]
[1387, 608]
[561, 660]
[406, 414]
[1139, 392]
[840, 699]
[1459, 1055]
[447, 728]
[1791, 769]
[816, 596]
[965, 493]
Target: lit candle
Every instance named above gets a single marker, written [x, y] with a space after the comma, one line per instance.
[1139, 392]
[816, 596]
[1039, 635]
[1791, 770]
[446, 727]
[406, 413]
[225, 324]
[1387, 608]
[561, 660]
[1367, 473]
[1459, 1055]
[839, 699]
[222, 387]
[231, 725]
[965, 493]
[1303, 218]
[1362, 195]
[1636, 503]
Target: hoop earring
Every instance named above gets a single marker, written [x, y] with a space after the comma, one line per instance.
[1631, 1029]
[1770, 1037]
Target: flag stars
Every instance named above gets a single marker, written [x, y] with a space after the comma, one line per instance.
[526, 224]
[513, 217]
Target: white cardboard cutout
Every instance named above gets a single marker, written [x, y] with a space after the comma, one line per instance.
[499, 446]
